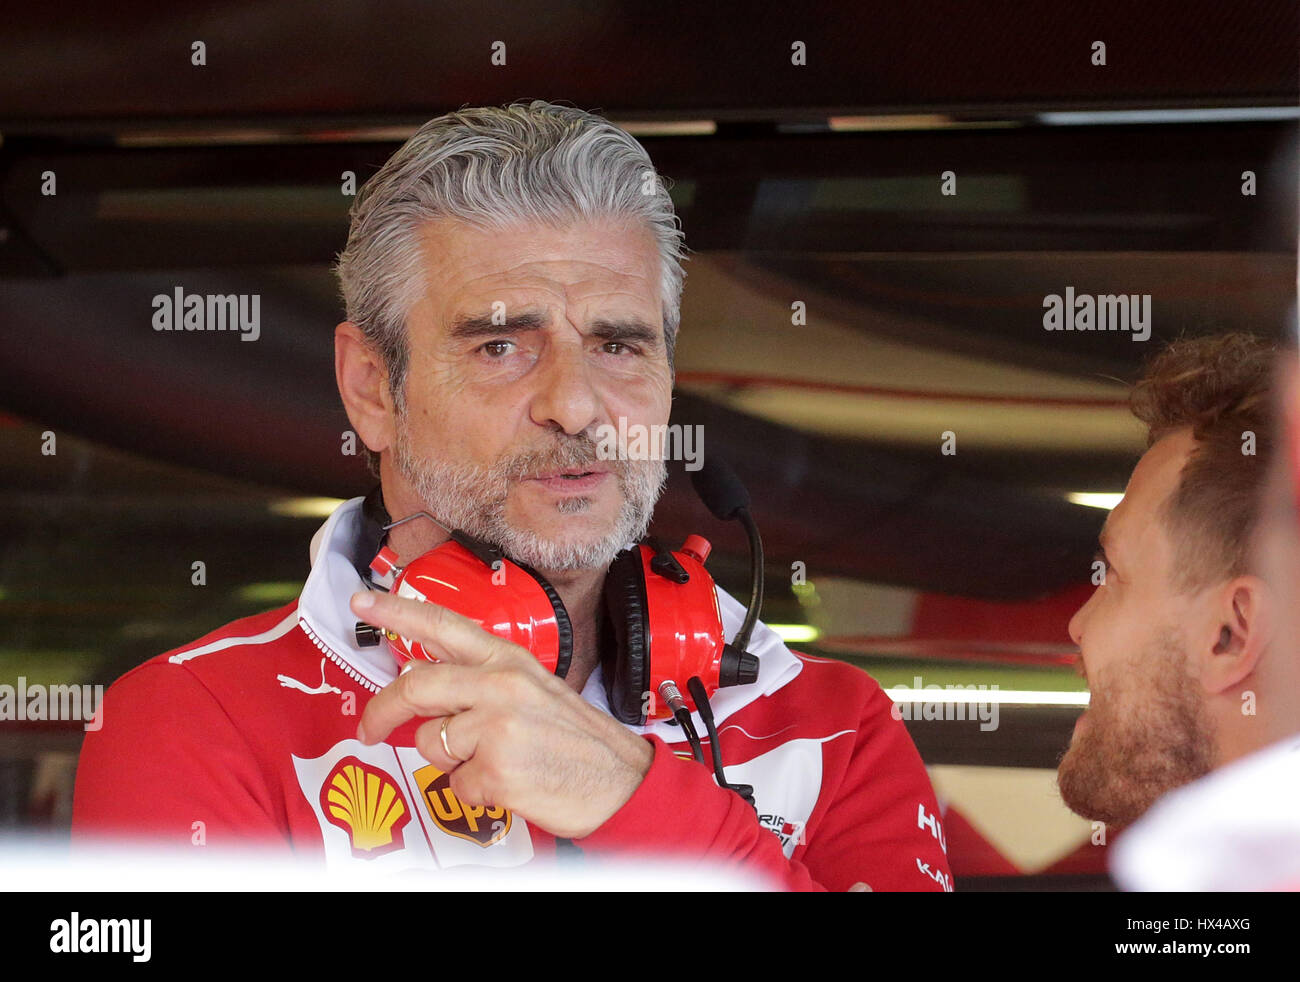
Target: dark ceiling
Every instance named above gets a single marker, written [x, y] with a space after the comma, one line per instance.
[104, 68]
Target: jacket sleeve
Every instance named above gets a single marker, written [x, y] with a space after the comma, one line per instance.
[876, 820]
[168, 766]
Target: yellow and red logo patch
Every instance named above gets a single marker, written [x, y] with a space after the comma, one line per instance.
[364, 802]
[474, 823]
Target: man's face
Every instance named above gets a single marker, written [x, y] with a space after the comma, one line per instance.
[524, 343]
[1146, 730]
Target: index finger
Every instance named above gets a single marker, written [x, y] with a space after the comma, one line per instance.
[444, 633]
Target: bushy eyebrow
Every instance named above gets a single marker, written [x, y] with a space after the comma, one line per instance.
[470, 327]
[628, 329]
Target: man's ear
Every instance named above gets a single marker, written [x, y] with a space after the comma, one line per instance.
[1238, 630]
[363, 384]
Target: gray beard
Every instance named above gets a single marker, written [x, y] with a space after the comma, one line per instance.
[472, 499]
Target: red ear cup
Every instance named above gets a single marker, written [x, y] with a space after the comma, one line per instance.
[512, 601]
[662, 627]
[563, 627]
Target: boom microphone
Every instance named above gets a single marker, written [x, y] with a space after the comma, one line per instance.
[719, 488]
[725, 496]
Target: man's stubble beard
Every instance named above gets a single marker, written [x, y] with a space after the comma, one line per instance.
[473, 498]
[1132, 752]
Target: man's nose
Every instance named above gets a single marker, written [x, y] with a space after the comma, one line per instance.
[566, 395]
[1076, 622]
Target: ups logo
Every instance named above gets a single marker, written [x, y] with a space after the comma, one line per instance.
[474, 823]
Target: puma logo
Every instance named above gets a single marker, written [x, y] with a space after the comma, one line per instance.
[320, 690]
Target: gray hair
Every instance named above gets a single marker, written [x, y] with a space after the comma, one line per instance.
[491, 168]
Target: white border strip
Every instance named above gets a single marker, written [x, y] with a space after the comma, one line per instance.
[280, 630]
[1023, 697]
[1107, 117]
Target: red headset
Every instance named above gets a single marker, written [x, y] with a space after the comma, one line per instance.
[661, 629]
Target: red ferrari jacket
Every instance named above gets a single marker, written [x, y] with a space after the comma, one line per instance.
[248, 735]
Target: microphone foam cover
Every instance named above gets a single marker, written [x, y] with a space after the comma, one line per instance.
[719, 488]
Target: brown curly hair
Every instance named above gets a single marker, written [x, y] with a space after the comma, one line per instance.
[1222, 387]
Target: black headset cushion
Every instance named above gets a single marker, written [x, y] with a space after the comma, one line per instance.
[625, 636]
[562, 623]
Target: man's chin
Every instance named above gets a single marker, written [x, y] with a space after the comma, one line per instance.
[578, 529]
[564, 543]
[1082, 792]
[1095, 784]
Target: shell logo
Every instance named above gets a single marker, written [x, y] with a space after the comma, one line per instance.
[480, 824]
[364, 802]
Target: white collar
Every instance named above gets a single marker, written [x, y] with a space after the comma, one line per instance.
[325, 616]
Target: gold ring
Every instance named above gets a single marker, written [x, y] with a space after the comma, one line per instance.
[442, 732]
